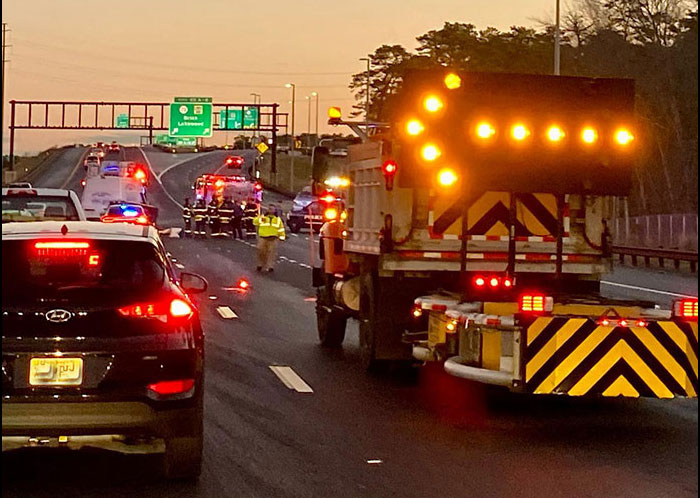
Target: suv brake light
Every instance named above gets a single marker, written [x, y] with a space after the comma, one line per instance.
[176, 308]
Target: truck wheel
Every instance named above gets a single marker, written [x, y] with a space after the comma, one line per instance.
[384, 306]
[331, 325]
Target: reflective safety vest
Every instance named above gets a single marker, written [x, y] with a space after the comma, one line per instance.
[269, 226]
[200, 213]
[213, 212]
[225, 213]
[187, 213]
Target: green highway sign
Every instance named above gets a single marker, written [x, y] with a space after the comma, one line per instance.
[176, 141]
[239, 119]
[122, 121]
[191, 117]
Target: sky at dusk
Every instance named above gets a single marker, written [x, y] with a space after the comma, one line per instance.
[153, 50]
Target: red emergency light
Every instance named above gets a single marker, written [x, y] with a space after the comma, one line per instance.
[389, 169]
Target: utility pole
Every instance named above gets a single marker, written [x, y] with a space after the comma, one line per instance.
[4, 61]
[557, 40]
[315, 94]
[369, 62]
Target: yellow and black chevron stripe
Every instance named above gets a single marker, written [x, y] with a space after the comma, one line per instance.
[577, 357]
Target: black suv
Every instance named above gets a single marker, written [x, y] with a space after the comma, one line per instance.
[101, 344]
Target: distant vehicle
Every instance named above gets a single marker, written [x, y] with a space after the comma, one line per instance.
[96, 151]
[40, 204]
[91, 160]
[101, 191]
[234, 162]
[20, 185]
[114, 147]
[122, 327]
[305, 208]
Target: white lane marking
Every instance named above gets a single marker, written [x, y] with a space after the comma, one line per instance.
[304, 265]
[75, 168]
[291, 379]
[180, 266]
[226, 312]
[213, 298]
[150, 167]
[293, 261]
[645, 289]
[375, 461]
[203, 154]
[294, 235]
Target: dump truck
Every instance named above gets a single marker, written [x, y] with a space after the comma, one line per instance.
[475, 232]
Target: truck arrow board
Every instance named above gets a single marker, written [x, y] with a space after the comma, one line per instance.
[191, 117]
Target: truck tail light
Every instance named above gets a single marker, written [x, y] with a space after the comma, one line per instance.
[389, 169]
[536, 303]
[686, 309]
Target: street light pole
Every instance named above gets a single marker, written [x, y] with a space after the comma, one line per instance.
[557, 40]
[308, 123]
[294, 104]
[315, 94]
[369, 62]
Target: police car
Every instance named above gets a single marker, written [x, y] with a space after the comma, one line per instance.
[101, 343]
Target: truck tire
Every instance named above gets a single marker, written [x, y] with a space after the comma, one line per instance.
[382, 303]
[331, 326]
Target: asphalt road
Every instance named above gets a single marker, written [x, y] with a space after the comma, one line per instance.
[364, 436]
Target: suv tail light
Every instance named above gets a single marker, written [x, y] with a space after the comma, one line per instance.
[686, 309]
[535, 303]
[176, 308]
[171, 387]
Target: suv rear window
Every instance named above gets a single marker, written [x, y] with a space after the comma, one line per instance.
[38, 208]
[87, 271]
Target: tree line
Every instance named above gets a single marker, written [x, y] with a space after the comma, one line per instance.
[655, 42]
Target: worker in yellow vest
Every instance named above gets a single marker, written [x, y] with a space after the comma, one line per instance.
[270, 231]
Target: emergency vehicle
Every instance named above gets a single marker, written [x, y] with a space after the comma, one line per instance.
[237, 187]
[477, 232]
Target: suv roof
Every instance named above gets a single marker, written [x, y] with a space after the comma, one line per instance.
[80, 229]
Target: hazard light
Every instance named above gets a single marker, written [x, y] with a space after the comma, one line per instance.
[447, 177]
[330, 214]
[520, 132]
[430, 152]
[414, 127]
[623, 137]
[417, 312]
[453, 81]
[536, 303]
[686, 309]
[433, 104]
[485, 130]
[555, 134]
[589, 136]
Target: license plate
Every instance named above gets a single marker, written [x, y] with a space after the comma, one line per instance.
[56, 371]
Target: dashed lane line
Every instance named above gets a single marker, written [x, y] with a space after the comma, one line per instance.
[226, 313]
[291, 379]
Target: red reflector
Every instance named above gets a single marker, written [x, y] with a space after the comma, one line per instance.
[642, 323]
[494, 282]
[170, 387]
[479, 281]
[243, 284]
[604, 322]
[533, 303]
[623, 323]
[507, 283]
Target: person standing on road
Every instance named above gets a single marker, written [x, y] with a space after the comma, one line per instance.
[187, 217]
[225, 216]
[270, 232]
[200, 219]
[251, 212]
[214, 218]
[237, 221]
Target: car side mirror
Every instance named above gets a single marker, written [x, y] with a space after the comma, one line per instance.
[193, 283]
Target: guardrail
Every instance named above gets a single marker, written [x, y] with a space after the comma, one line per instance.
[661, 255]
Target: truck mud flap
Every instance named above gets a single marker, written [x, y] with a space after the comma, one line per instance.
[577, 357]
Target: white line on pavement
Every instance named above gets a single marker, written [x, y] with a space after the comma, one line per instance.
[180, 266]
[75, 169]
[291, 379]
[150, 167]
[226, 312]
[644, 289]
